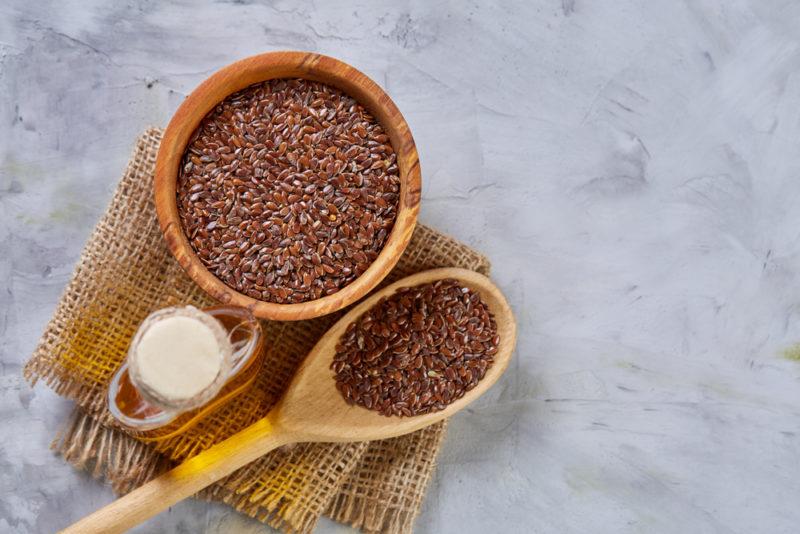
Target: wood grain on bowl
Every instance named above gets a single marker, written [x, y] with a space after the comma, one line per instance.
[241, 75]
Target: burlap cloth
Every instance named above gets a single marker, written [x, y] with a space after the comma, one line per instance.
[124, 273]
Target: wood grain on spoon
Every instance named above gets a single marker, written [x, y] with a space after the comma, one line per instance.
[310, 410]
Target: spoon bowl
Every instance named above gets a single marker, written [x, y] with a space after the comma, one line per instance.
[312, 407]
[311, 410]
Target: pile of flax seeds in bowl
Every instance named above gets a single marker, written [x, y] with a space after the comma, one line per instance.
[288, 190]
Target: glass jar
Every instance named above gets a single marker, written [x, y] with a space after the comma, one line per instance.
[150, 418]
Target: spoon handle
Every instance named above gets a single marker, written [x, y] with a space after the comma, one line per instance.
[184, 480]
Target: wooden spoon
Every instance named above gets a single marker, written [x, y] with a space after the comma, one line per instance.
[311, 410]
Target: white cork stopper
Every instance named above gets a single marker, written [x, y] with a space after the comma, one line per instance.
[179, 357]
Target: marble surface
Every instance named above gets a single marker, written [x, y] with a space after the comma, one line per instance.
[631, 167]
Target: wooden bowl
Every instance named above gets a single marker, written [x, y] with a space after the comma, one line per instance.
[260, 68]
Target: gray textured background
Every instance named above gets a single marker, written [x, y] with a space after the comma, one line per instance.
[631, 167]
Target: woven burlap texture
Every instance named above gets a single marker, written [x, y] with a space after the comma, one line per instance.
[124, 273]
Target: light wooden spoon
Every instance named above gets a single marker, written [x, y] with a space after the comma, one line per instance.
[311, 409]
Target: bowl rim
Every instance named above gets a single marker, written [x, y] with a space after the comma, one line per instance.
[237, 76]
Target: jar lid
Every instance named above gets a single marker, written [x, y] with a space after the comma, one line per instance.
[194, 364]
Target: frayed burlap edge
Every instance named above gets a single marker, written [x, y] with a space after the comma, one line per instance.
[43, 366]
[370, 512]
